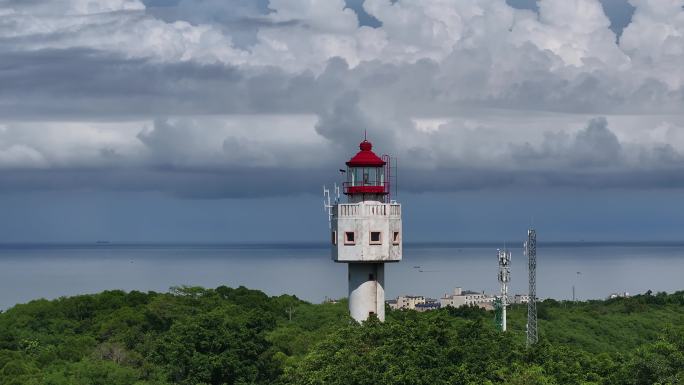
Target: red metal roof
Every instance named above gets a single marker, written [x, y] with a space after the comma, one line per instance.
[366, 157]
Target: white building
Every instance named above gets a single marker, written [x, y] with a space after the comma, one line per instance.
[521, 298]
[409, 302]
[462, 297]
[366, 231]
[413, 302]
[618, 295]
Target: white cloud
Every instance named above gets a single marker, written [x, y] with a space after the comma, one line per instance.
[21, 156]
[454, 85]
[115, 26]
[655, 40]
[79, 7]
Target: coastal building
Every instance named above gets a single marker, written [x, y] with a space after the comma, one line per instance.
[413, 302]
[429, 304]
[366, 231]
[618, 295]
[462, 297]
[521, 298]
[409, 302]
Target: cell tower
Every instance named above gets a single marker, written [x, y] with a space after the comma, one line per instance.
[531, 252]
[498, 313]
[504, 257]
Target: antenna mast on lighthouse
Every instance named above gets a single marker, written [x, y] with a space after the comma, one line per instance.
[327, 204]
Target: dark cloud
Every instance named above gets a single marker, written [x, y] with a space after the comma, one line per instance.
[596, 145]
[86, 83]
[486, 70]
[89, 84]
[593, 146]
[592, 158]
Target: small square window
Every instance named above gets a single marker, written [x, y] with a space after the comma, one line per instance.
[334, 237]
[349, 238]
[375, 238]
[395, 238]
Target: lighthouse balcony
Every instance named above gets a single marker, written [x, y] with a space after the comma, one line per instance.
[366, 209]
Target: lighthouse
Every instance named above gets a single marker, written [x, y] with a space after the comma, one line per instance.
[366, 231]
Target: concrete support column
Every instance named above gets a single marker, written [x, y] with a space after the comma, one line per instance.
[366, 290]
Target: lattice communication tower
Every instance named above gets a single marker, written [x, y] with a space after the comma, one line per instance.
[531, 252]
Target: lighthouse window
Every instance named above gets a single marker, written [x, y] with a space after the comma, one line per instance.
[349, 238]
[358, 176]
[372, 176]
[395, 238]
[375, 238]
[366, 176]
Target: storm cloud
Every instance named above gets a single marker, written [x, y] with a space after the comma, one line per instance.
[240, 98]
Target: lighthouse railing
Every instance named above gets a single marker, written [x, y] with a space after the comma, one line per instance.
[355, 209]
[368, 187]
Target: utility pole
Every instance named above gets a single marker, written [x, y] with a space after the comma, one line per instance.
[573, 293]
[289, 312]
[531, 252]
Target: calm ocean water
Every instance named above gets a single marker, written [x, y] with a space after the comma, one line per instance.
[48, 271]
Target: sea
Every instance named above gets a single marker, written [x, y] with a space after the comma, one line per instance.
[587, 270]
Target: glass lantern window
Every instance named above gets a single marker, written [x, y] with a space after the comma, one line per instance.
[366, 176]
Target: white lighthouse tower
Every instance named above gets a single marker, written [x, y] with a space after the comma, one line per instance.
[366, 231]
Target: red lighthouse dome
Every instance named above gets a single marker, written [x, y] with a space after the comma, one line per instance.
[366, 179]
[366, 157]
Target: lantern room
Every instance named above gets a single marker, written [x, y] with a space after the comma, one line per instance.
[366, 176]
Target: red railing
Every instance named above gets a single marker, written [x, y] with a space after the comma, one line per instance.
[365, 188]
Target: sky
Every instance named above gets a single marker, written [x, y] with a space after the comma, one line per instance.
[220, 121]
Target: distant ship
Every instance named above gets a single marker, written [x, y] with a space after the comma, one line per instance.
[102, 242]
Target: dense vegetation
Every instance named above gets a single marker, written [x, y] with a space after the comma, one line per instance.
[240, 336]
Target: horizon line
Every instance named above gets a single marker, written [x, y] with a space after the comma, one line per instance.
[319, 244]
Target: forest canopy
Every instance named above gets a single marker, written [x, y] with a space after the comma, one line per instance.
[193, 336]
